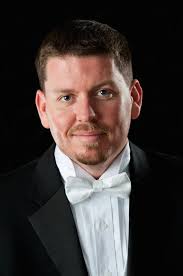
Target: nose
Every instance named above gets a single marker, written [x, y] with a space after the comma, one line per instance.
[84, 110]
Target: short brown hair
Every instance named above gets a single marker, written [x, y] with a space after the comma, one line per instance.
[82, 38]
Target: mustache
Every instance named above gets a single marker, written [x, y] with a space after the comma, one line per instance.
[88, 127]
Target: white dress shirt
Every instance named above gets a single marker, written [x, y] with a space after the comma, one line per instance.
[102, 221]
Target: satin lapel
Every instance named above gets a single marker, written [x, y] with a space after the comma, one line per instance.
[148, 217]
[138, 172]
[53, 220]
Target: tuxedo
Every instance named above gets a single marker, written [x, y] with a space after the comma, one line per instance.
[38, 235]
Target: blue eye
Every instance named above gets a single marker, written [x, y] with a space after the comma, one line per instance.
[65, 98]
[105, 93]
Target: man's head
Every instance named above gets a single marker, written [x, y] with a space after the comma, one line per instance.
[88, 95]
[85, 38]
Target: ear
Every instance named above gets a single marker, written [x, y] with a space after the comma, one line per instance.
[40, 101]
[136, 96]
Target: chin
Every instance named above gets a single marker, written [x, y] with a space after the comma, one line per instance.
[91, 159]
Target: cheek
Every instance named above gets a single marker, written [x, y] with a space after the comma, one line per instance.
[61, 122]
[118, 117]
[113, 115]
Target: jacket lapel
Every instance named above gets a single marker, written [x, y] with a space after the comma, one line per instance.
[139, 175]
[149, 218]
[52, 219]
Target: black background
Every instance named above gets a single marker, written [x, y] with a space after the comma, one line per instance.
[156, 39]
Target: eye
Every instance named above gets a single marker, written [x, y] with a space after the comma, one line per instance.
[65, 98]
[105, 93]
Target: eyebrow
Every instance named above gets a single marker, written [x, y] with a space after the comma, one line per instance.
[108, 82]
[95, 87]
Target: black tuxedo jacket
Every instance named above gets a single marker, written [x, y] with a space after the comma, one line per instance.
[38, 234]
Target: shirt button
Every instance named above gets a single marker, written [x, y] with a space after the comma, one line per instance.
[101, 226]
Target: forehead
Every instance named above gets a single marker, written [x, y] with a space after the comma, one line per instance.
[81, 72]
[99, 64]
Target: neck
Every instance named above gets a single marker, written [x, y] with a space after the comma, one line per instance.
[97, 170]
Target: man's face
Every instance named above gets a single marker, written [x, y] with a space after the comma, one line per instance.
[88, 107]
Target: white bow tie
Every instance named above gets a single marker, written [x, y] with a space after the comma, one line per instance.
[78, 189]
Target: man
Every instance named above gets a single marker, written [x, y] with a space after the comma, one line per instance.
[94, 204]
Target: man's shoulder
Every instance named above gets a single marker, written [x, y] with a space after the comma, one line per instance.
[25, 170]
[21, 180]
[161, 164]
[165, 159]
[20, 172]
[17, 184]
[155, 157]
[163, 169]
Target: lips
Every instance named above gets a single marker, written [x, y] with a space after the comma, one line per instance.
[88, 130]
[88, 136]
[88, 133]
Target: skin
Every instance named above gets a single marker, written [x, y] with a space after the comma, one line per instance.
[88, 108]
